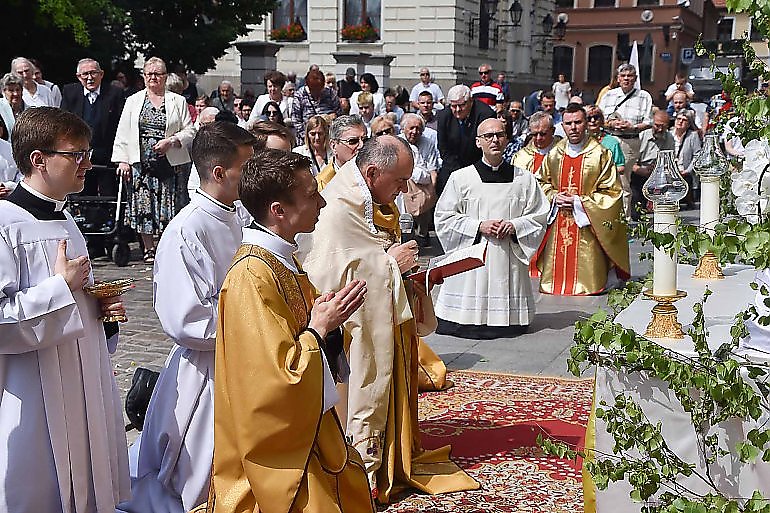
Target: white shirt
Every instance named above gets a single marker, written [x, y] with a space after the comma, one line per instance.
[259, 105]
[419, 87]
[9, 173]
[41, 98]
[637, 109]
[673, 87]
[91, 96]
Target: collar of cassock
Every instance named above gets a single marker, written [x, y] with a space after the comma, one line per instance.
[211, 204]
[501, 174]
[37, 203]
[280, 248]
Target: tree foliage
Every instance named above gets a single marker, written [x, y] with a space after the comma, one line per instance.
[193, 33]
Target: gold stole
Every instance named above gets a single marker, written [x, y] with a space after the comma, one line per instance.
[534, 272]
[567, 236]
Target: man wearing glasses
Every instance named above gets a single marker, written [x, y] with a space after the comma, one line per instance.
[520, 125]
[503, 205]
[99, 105]
[456, 128]
[487, 90]
[425, 84]
[346, 135]
[60, 412]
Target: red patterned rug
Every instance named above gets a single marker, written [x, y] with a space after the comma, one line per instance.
[492, 422]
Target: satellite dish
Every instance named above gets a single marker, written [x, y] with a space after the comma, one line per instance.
[647, 15]
[563, 17]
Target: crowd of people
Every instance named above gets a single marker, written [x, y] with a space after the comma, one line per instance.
[274, 227]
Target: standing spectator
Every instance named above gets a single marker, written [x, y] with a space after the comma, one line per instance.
[595, 123]
[548, 105]
[313, 99]
[237, 102]
[456, 128]
[316, 147]
[678, 103]
[651, 141]
[425, 84]
[55, 91]
[346, 135]
[487, 90]
[506, 87]
[421, 197]
[390, 105]
[100, 105]
[272, 112]
[627, 111]
[686, 144]
[680, 84]
[519, 125]
[369, 85]
[153, 135]
[175, 84]
[247, 107]
[274, 83]
[586, 247]
[61, 427]
[562, 90]
[513, 145]
[201, 102]
[541, 141]
[425, 108]
[365, 103]
[224, 97]
[34, 94]
[12, 103]
[331, 82]
[346, 87]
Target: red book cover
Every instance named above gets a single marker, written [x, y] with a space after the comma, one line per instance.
[452, 263]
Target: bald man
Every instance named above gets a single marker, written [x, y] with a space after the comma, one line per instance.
[494, 202]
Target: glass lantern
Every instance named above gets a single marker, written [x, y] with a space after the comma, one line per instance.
[665, 186]
[710, 161]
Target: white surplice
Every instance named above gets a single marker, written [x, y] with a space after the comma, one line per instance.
[500, 293]
[176, 447]
[61, 427]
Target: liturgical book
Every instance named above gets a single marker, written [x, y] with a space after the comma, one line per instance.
[449, 264]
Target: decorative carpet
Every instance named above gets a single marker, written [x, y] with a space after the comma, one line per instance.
[492, 422]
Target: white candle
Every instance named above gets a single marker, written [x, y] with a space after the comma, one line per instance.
[709, 203]
[664, 267]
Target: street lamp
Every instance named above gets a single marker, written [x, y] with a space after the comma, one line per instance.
[516, 10]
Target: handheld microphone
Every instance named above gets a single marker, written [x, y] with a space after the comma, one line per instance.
[406, 223]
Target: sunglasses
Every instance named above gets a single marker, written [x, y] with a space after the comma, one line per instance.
[354, 141]
[540, 134]
[594, 117]
[384, 131]
[485, 72]
[272, 113]
[424, 74]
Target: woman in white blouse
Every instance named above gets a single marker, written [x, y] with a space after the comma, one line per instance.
[368, 85]
[155, 124]
[316, 146]
[686, 144]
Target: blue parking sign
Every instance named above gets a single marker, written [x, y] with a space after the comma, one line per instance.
[688, 55]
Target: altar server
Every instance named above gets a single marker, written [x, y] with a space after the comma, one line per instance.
[586, 246]
[61, 427]
[279, 445]
[503, 205]
[196, 249]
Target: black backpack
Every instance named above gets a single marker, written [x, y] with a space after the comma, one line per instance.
[138, 397]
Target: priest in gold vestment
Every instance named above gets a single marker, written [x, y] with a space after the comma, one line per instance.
[357, 237]
[279, 445]
[586, 245]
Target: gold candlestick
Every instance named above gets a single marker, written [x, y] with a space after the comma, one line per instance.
[664, 323]
[708, 268]
[113, 288]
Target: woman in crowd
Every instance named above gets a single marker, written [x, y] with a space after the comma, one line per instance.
[154, 132]
[686, 144]
[12, 103]
[274, 82]
[514, 144]
[562, 90]
[368, 85]
[272, 112]
[176, 84]
[201, 102]
[316, 147]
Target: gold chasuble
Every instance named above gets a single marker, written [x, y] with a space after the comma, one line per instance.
[575, 260]
[276, 450]
[529, 158]
[382, 340]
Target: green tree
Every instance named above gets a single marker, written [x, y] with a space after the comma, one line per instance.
[193, 33]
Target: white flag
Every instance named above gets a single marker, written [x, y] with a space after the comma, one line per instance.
[634, 61]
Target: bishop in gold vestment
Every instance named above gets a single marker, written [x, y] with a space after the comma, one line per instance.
[276, 449]
[350, 242]
[584, 243]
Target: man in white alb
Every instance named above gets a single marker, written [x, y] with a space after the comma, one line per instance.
[503, 205]
[174, 455]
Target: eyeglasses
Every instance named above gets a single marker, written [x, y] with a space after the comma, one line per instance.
[384, 131]
[540, 134]
[79, 155]
[353, 141]
[594, 117]
[492, 135]
[158, 75]
[486, 72]
[86, 74]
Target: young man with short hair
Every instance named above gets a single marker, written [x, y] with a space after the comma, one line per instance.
[174, 454]
[61, 424]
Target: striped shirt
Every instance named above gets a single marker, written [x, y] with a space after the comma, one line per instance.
[490, 94]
